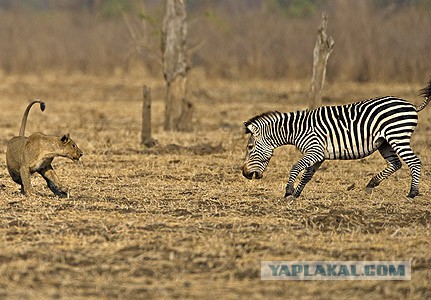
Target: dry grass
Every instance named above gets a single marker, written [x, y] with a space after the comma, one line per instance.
[173, 223]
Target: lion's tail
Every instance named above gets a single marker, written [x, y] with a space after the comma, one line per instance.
[27, 110]
[425, 92]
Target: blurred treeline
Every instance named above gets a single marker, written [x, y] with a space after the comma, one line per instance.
[380, 40]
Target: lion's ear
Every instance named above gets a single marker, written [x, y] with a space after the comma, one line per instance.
[65, 138]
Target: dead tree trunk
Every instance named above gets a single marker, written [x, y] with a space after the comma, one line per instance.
[178, 111]
[322, 49]
[146, 138]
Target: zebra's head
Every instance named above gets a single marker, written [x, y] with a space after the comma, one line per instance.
[258, 152]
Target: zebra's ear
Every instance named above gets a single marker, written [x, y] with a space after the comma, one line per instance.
[249, 128]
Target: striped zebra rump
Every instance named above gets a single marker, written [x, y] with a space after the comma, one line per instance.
[357, 130]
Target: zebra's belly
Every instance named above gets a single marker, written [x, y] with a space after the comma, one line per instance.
[351, 149]
[346, 154]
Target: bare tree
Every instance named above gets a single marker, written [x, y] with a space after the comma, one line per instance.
[178, 110]
[322, 49]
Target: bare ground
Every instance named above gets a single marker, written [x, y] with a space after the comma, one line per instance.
[179, 220]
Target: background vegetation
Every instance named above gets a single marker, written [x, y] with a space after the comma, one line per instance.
[380, 40]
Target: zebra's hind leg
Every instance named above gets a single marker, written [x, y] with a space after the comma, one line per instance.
[306, 177]
[403, 149]
[394, 164]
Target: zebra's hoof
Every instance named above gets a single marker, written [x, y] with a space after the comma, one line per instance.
[412, 194]
[289, 192]
[369, 189]
[290, 199]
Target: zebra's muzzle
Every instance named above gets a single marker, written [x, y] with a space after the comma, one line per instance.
[250, 175]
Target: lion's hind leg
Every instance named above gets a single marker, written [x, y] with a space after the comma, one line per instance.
[25, 176]
[16, 177]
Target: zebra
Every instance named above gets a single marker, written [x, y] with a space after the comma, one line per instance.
[345, 132]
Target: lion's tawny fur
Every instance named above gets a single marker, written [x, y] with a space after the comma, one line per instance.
[28, 155]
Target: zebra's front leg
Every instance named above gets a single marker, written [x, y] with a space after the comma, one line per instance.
[306, 177]
[297, 168]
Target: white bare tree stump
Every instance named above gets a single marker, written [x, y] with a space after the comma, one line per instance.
[322, 49]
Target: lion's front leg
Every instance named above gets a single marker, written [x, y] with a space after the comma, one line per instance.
[53, 182]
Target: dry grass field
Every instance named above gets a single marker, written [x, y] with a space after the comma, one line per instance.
[179, 220]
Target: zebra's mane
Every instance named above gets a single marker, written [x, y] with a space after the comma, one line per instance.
[264, 115]
[426, 92]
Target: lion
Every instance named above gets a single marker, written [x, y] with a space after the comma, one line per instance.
[28, 155]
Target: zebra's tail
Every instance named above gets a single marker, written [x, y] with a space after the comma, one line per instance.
[425, 92]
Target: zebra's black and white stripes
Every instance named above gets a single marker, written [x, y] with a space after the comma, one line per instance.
[349, 131]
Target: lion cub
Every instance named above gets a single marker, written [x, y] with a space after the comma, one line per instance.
[27, 155]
